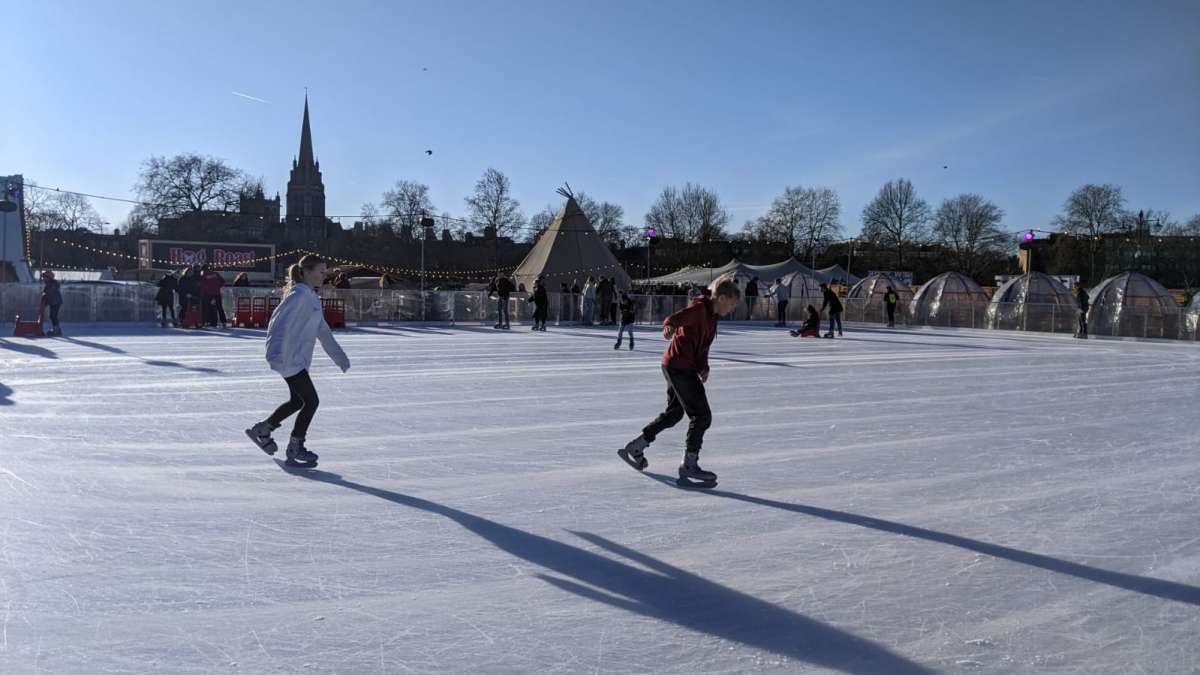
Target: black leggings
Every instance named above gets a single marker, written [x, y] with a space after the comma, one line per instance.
[304, 399]
[685, 394]
[169, 307]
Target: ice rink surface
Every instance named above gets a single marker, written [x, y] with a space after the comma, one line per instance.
[895, 501]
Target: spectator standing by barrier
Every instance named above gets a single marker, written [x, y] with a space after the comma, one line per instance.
[604, 296]
[189, 290]
[166, 298]
[52, 300]
[751, 297]
[628, 314]
[835, 309]
[541, 304]
[503, 289]
[889, 300]
[1081, 296]
[783, 295]
[589, 301]
[211, 284]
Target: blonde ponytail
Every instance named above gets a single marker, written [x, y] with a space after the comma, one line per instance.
[295, 273]
[725, 287]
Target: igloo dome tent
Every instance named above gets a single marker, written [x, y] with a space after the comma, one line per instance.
[806, 290]
[864, 302]
[950, 299]
[1192, 317]
[1133, 304]
[1033, 301]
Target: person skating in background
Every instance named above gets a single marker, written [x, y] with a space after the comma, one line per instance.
[541, 304]
[690, 333]
[783, 295]
[504, 288]
[751, 297]
[1081, 296]
[628, 314]
[211, 283]
[889, 301]
[295, 326]
[166, 298]
[589, 301]
[835, 309]
[811, 326]
[52, 300]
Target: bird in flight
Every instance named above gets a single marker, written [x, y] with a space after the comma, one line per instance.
[429, 152]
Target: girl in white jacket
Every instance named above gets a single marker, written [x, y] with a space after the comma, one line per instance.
[297, 323]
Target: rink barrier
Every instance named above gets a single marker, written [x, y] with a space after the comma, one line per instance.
[85, 303]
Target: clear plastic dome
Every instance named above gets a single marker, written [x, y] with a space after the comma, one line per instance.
[1033, 301]
[1133, 304]
[864, 302]
[950, 299]
[1192, 317]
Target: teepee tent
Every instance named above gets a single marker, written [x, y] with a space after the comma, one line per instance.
[568, 251]
[834, 274]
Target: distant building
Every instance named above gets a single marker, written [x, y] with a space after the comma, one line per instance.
[306, 221]
[255, 220]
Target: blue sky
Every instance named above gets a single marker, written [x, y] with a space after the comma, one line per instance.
[1022, 101]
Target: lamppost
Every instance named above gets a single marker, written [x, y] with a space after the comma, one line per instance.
[650, 232]
[426, 227]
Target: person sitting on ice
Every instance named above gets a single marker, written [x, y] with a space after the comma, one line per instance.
[812, 325]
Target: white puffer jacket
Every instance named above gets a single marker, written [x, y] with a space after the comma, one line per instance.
[297, 323]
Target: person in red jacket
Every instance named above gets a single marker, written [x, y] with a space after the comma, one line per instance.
[211, 284]
[690, 333]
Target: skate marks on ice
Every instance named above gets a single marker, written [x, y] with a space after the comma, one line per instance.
[1160, 588]
[665, 592]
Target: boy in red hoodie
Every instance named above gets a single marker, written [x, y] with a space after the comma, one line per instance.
[685, 366]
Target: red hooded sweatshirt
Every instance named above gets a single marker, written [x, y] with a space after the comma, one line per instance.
[211, 283]
[695, 328]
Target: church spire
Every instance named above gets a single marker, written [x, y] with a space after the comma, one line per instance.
[306, 149]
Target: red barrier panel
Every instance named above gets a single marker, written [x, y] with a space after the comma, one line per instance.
[192, 317]
[243, 314]
[29, 328]
[335, 312]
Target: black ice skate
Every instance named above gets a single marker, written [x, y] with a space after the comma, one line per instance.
[631, 343]
[691, 475]
[297, 455]
[261, 435]
[633, 451]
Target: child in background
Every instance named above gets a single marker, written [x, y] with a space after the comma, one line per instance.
[627, 317]
[295, 326]
[812, 325]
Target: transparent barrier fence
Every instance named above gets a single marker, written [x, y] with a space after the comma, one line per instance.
[102, 302]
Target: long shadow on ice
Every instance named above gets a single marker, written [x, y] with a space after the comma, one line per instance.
[666, 592]
[5, 393]
[1168, 590]
[26, 348]
[160, 363]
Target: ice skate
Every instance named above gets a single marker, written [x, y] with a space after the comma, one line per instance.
[691, 475]
[630, 344]
[633, 451]
[618, 345]
[829, 335]
[298, 455]
[261, 435]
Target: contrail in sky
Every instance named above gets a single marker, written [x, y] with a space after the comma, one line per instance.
[252, 98]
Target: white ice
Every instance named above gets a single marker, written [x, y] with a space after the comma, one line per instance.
[894, 501]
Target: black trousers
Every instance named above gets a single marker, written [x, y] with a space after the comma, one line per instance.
[165, 308]
[1083, 323]
[782, 312]
[685, 395]
[891, 311]
[304, 399]
[213, 309]
[54, 314]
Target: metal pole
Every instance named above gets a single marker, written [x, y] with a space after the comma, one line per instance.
[423, 230]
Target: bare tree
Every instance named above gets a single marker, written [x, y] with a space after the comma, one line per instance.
[1192, 227]
[188, 182]
[539, 223]
[801, 217]
[368, 214]
[693, 214]
[49, 210]
[969, 226]
[406, 203]
[140, 222]
[1091, 211]
[896, 217]
[493, 205]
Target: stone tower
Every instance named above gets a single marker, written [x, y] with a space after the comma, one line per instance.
[305, 191]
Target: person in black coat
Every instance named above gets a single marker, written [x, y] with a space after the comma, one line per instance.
[52, 299]
[166, 297]
[1081, 296]
[541, 304]
[628, 314]
[504, 288]
[835, 309]
[188, 290]
[751, 296]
